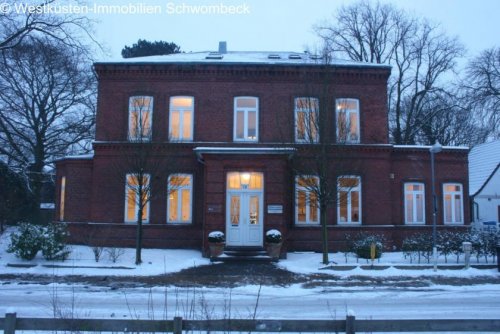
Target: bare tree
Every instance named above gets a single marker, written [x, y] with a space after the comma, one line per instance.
[46, 94]
[319, 162]
[421, 56]
[20, 20]
[143, 162]
[482, 90]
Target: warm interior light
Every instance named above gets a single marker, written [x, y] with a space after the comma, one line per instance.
[245, 179]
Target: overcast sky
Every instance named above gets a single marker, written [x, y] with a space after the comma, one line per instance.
[277, 25]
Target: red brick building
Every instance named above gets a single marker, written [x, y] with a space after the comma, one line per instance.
[225, 133]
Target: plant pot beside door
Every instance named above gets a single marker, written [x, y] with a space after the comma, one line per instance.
[274, 241]
[216, 243]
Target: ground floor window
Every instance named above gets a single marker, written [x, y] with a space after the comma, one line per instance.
[307, 208]
[453, 203]
[349, 200]
[180, 189]
[414, 203]
[136, 195]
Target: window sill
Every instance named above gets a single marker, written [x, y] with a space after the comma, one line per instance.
[349, 223]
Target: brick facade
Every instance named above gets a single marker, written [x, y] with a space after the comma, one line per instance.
[95, 188]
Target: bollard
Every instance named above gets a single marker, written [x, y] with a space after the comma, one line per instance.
[467, 247]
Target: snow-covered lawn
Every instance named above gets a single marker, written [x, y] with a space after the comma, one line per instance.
[160, 261]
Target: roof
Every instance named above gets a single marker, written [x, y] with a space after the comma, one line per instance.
[483, 162]
[243, 57]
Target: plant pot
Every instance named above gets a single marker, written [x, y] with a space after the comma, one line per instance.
[273, 250]
[216, 248]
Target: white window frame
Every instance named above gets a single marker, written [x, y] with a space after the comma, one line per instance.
[136, 207]
[179, 199]
[132, 109]
[309, 114]
[349, 191]
[181, 111]
[245, 120]
[414, 194]
[348, 113]
[453, 193]
[307, 190]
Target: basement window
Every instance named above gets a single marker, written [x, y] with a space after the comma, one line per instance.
[274, 56]
[214, 55]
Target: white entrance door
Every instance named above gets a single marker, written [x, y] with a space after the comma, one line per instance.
[244, 219]
[244, 212]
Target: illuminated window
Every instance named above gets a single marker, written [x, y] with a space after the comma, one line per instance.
[347, 120]
[62, 198]
[246, 119]
[181, 118]
[349, 200]
[136, 195]
[306, 119]
[252, 181]
[414, 203]
[180, 190]
[140, 115]
[453, 203]
[307, 207]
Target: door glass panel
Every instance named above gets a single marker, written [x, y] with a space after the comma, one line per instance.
[235, 210]
[254, 210]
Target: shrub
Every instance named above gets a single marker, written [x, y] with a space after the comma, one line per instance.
[273, 237]
[114, 253]
[362, 245]
[216, 236]
[26, 242]
[54, 242]
[411, 248]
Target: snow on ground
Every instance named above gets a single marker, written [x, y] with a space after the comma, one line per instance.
[161, 261]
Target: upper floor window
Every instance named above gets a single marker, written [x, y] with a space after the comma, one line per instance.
[181, 118]
[180, 194]
[246, 119]
[307, 206]
[136, 196]
[347, 120]
[414, 203]
[453, 203]
[349, 200]
[306, 120]
[139, 117]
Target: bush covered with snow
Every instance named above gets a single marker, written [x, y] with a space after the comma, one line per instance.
[26, 242]
[362, 242]
[216, 236]
[54, 242]
[30, 238]
[274, 236]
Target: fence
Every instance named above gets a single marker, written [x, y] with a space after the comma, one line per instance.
[350, 325]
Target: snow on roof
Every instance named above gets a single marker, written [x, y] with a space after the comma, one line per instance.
[483, 159]
[242, 57]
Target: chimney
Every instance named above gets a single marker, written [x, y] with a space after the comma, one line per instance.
[222, 47]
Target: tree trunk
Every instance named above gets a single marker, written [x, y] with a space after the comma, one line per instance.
[324, 230]
[138, 239]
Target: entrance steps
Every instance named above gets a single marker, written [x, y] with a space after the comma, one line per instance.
[235, 254]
